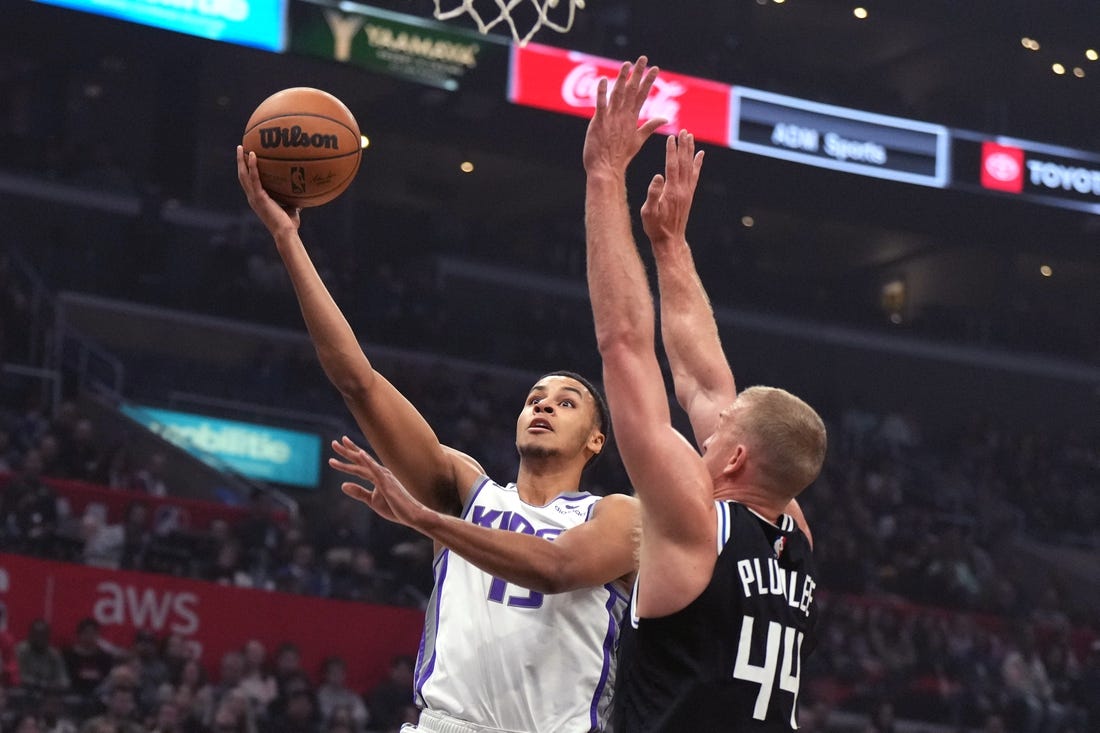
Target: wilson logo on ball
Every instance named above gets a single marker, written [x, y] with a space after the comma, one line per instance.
[296, 137]
[307, 146]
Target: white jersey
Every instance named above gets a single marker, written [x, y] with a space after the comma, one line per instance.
[502, 656]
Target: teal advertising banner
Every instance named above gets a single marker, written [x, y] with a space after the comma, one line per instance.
[406, 46]
[257, 23]
[257, 451]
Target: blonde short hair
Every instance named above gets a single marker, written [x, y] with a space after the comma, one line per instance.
[787, 434]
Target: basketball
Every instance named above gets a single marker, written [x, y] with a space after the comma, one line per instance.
[307, 146]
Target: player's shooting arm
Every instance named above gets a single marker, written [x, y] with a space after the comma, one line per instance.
[392, 425]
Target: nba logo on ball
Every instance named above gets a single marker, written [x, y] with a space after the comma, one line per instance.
[1002, 167]
[307, 146]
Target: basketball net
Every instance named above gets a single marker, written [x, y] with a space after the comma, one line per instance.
[505, 9]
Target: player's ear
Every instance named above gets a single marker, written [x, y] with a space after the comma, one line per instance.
[596, 440]
[737, 461]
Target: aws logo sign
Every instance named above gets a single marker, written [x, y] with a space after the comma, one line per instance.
[123, 604]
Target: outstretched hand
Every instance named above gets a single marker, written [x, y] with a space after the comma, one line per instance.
[274, 215]
[668, 201]
[388, 497]
[614, 136]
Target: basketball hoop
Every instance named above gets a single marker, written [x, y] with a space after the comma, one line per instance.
[562, 21]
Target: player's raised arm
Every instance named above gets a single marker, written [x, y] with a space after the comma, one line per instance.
[701, 375]
[666, 472]
[394, 428]
[593, 553]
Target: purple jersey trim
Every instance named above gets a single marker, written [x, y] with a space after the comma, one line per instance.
[608, 652]
[423, 672]
[478, 486]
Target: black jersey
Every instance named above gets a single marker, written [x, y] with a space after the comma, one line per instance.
[732, 659]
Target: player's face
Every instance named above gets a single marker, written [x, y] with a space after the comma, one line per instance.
[559, 418]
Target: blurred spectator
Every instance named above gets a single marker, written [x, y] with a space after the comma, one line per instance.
[193, 694]
[176, 654]
[7, 450]
[120, 713]
[1030, 695]
[120, 470]
[8, 711]
[9, 664]
[226, 567]
[152, 669]
[230, 674]
[298, 715]
[293, 686]
[15, 310]
[29, 510]
[49, 450]
[27, 722]
[234, 710]
[387, 701]
[167, 718]
[260, 536]
[257, 683]
[355, 576]
[87, 660]
[338, 531]
[54, 716]
[136, 536]
[302, 574]
[41, 666]
[341, 721]
[150, 477]
[333, 693]
[29, 424]
[103, 541]
[1088, 682]
[81, 456]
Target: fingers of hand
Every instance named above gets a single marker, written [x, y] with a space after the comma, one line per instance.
[353, 468]
[656, 186]
[347, 448]
[672, 158]
[355, 491]
[651, 126]
[647, 83]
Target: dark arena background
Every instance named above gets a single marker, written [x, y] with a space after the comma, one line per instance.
[898, 219]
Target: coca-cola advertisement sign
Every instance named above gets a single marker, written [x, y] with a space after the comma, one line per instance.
[566, 81]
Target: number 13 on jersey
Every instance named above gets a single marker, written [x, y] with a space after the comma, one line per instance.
[779, 637]
[524, 599]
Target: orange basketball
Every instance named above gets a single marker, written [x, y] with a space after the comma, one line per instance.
[307, 146]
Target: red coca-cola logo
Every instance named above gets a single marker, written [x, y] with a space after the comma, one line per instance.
[578, 89]
[566, 81]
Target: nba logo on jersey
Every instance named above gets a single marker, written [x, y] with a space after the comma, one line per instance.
[780, 543]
